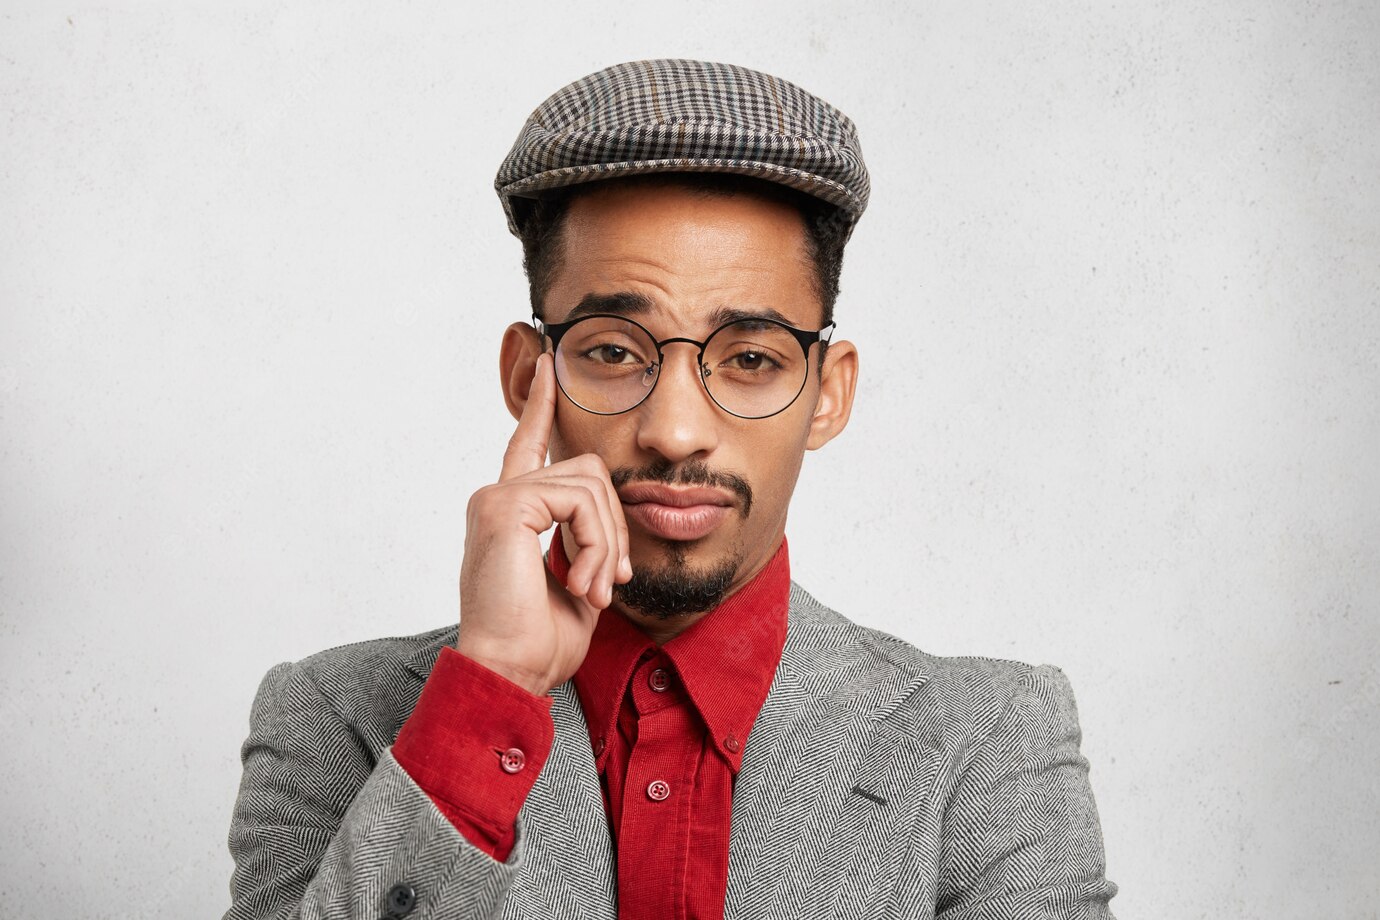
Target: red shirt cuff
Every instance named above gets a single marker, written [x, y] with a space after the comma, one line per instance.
[475, 744]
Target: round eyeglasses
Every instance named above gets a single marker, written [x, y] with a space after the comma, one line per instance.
[752, 368]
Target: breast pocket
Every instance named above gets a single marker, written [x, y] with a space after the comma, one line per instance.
[889, 799]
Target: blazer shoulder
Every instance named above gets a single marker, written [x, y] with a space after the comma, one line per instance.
[372, 685]
[814, 625]
[389, 652]
[957, 694]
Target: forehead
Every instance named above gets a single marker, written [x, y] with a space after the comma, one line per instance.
[684, 257]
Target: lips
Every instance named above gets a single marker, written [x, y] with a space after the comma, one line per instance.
[676, 514]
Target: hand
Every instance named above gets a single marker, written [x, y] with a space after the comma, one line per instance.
[515, 618]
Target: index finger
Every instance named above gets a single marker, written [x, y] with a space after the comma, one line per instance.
[526, 451]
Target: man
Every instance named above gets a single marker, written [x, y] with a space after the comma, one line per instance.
[653, 720]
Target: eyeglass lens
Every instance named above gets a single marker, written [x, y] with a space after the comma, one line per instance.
[751, 368]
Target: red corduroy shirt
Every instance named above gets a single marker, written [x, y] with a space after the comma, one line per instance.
[668, 726]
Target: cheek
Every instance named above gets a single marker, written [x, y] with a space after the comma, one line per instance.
[776, 456]
[568, 431]
[576, 432]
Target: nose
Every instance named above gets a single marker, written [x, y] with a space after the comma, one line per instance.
[679, 420]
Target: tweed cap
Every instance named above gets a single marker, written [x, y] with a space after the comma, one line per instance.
[685, 116]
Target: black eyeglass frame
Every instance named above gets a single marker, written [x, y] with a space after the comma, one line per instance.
[806, 338]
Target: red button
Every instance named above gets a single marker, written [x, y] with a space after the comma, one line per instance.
[598, 747]
[659, 680]
[658, 790]
[733, 744]
[512, 760]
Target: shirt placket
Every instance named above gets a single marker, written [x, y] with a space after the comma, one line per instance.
[654, 837]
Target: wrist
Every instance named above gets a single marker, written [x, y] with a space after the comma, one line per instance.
[529, 681]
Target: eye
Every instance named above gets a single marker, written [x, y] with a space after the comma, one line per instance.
[609, 354]
[748, 360]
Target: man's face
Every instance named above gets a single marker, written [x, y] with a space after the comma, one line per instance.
[686, 257]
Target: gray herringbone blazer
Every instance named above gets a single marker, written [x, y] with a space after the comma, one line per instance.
[878, 782]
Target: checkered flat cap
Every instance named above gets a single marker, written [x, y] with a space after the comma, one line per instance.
[685, 116]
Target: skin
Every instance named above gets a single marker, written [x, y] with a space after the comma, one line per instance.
[688, 254]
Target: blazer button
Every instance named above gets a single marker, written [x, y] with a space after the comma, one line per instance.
[400, 900]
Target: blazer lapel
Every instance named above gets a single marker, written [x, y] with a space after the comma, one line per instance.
[569, 865]
[811, 745]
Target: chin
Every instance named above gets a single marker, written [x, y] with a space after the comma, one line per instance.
[674, 578]
[676, 586]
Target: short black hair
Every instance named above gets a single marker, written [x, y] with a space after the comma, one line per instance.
[541, 221]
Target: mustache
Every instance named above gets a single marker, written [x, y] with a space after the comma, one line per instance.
[689, 473]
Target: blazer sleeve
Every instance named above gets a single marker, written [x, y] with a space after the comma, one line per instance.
[321, 830]
[1021, 835]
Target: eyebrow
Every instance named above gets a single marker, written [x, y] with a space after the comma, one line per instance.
[624, 303]
[631, 303]
[724, 315]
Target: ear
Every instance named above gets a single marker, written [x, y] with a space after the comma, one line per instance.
[837, 382]
[517, 365]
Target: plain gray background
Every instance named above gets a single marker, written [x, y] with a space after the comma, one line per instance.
[1118, 304]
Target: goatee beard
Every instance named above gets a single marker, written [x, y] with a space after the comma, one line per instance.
[676, 590]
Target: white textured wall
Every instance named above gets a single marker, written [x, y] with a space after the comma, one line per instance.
[1117, 297]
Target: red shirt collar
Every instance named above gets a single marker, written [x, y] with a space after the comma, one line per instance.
[726, 660]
